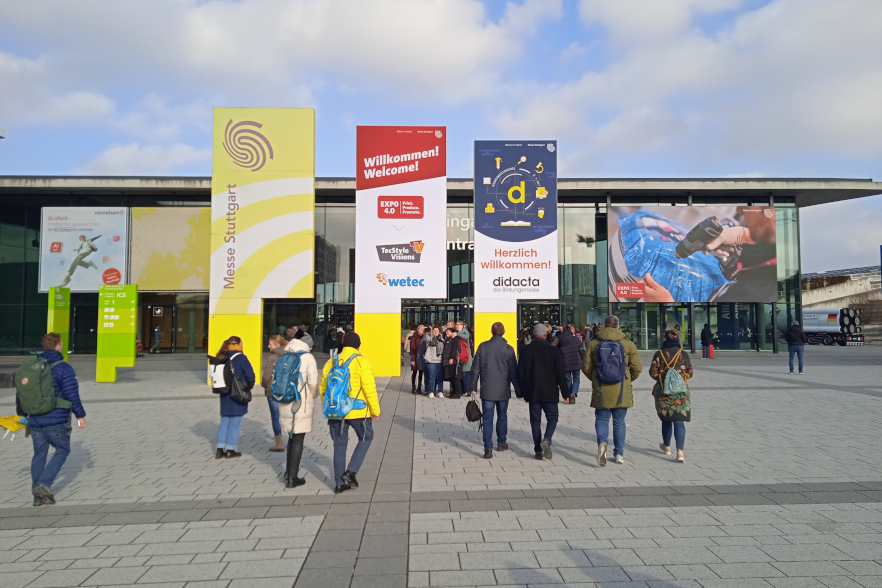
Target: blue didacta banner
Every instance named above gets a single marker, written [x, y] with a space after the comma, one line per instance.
[516, 219]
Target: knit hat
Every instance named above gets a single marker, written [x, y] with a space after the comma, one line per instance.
[351, 339]
[540, 330]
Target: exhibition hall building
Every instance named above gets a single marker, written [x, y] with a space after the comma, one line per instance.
[161, 242]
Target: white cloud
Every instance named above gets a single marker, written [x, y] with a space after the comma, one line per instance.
[852, 226]
[794, 78]
[27, 96]
[135, 159]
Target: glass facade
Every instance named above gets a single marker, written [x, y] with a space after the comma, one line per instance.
[182, 317]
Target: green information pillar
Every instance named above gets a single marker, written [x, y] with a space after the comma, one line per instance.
[117, 328]
[58, 319]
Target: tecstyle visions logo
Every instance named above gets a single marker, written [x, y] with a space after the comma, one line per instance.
[247, 147]
[402, 252]
[407, 282]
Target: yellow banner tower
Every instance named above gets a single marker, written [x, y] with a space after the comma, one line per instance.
[262, 218]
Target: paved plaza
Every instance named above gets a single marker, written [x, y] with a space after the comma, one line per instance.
[782, 487]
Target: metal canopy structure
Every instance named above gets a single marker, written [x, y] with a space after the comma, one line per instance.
[802, 191]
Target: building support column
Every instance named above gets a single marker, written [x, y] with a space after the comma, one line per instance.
[774, 327]
[691, 323]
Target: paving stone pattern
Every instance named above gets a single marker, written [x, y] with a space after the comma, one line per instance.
[782, 492]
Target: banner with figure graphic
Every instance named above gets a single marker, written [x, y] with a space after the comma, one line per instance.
[83, 248]
[516, 249]
[262, 217]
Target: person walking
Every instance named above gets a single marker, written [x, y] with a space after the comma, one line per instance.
[673, 407]
[232, 413]
[495, 367]
[569, 346]
[296, 417]
[541, 372]
[416, 372]
[450, 360]
[796, 341]
[434, 352]
[421, 361]
[157, 339]
[462, 331]
[276, 347]
[707, 339]
[363, 386]
[51, 429]
[611, 399]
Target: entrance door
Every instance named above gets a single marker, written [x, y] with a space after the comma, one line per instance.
[84, 338]
[431, 314]
[159, 328]
[531, 313]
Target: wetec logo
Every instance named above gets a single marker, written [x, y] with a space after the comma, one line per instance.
[407, 282]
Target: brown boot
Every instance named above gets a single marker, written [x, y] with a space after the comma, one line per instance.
[279, 446]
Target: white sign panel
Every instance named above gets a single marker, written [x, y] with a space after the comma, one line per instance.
[83, 248]
[400, 207]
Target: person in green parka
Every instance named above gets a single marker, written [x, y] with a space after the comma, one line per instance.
[611, 400]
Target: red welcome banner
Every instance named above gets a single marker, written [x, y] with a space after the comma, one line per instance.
[386, 156]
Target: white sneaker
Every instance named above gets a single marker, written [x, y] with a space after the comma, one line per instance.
[431, 395]
[620, 459]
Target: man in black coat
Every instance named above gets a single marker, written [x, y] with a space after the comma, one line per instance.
[796, 341]
[496, 367]
[568, 345]
[542, 376]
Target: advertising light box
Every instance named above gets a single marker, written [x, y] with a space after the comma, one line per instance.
[692, 254]
[83, 248]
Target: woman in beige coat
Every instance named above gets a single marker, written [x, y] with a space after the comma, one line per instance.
[296, 417]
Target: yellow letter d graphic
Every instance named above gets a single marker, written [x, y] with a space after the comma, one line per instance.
[514, 189]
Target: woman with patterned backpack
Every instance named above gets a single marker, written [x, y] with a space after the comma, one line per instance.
[670, 368]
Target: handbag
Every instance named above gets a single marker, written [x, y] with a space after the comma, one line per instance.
[239, 391]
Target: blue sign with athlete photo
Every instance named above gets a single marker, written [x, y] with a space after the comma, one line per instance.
[516, 219]
[515, 189]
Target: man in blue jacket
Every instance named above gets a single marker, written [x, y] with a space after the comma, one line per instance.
[54, 427]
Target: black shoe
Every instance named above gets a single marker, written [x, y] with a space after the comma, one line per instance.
[419, 389]
[220, 453]
[349, 478]
[295, 482]
[48, 500]
[455, 396]
[342, 488]
[38, 501]
[231, 453]
[413, 390]
[503, 447]
[539, 455]
[488, 454]
[572, 399]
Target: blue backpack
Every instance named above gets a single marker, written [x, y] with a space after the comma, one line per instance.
[338, 403]
[611, 365]
[287, 379]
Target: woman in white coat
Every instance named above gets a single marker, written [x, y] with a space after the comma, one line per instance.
[296, 417]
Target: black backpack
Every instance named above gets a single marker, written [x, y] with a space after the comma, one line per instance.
[474, 414]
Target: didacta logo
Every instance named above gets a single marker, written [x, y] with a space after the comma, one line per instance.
[407, 282]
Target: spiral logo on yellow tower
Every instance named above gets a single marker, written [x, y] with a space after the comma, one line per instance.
[246, 146]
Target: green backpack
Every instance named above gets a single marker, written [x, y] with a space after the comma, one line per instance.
[35, 387]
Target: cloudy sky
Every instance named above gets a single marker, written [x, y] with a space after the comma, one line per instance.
[630, 88]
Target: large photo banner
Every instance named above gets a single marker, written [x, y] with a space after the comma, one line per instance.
[692, 254]
[83, 248]
[400, 230]
[262, 217]
[171, 248]
[516, 248]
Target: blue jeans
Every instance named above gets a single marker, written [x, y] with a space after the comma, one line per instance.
[679, 430]
[795, 350]
[364, 430]
[705, 351]
[466, 382]
[573, 382]
[274, 415]
[551, 414]
[228, 431]
[601, 427]
[434, 383]
[58, 436]
[501, 407]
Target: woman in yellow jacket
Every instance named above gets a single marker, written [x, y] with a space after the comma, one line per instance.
[363, 386]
